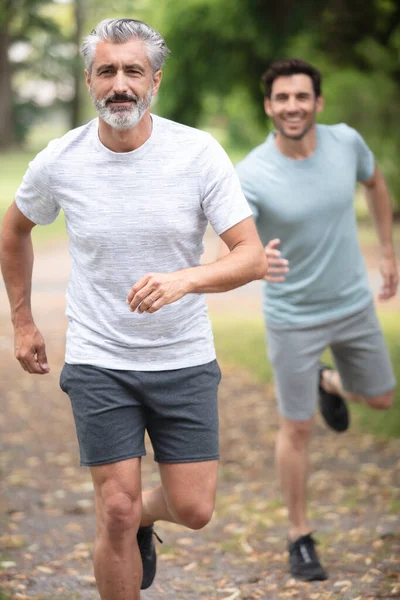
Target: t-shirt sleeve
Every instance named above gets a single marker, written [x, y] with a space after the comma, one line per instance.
[246, 181]
[34, 196]
[223, 201]
[365, 158]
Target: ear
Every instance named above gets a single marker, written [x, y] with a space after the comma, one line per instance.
[267, 106]
[157, 81]
[87, 79]
[320, 104]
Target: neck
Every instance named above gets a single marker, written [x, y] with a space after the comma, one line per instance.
[128, 140]
[297, 149]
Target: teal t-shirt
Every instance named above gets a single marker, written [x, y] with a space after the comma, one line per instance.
[309, 205]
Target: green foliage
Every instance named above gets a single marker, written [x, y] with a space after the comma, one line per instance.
[241, 342]
[220, 49]
[26, 22]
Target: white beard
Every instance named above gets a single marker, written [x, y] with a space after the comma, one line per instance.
[122, 117]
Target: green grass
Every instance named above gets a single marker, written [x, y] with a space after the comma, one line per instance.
[240, 341]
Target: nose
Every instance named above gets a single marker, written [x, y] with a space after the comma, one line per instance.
[291, 105]
[120, 82]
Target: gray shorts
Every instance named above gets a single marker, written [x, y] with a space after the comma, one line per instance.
[114, 408]
[359, 351]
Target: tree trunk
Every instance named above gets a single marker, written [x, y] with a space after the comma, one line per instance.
[6, 110]
[77, 66]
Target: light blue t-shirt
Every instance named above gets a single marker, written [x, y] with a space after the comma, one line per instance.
[309, 205]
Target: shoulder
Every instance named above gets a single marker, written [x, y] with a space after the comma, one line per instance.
[251, 163]
[179, 133]
[73, 139]
[341, 132]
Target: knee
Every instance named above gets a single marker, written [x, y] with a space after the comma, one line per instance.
[120, 513]
[382, 402]
[297, 433]
[195, 515]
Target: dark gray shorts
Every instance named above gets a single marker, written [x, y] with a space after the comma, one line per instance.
[113, 409]
[359, 351]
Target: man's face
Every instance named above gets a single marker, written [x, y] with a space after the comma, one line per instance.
[121, 83]
[293, 105]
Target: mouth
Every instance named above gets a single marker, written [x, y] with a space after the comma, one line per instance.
[121, 102]
[294, 120]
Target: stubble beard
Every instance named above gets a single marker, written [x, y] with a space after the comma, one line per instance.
[298, 136]
[122, 118]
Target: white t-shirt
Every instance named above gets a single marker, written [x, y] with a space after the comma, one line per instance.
[128, 214]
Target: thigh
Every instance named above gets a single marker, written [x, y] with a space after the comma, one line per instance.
[182, 413]
[119, 477]
[185, 483]
[361, 355]
[108, 413]
[294, 355]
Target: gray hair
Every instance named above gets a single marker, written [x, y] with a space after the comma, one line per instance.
[120, 31]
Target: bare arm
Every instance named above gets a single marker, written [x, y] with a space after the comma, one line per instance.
[380, 207]
[245, 262]
[16, 256]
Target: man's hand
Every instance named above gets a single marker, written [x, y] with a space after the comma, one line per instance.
[155, 290]
[30, 349]
[277, 266]
[388, 269]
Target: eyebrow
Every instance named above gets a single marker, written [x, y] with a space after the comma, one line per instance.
[283, 94]
[128, 66]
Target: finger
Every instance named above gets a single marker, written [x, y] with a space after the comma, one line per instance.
[140, 297]
[277, 269]
[272, 253]
[275, 279]
[33, 367]
[156, 305]
[147, 303]
[139, 285]
[385, 293]
[41, 359]
[273, 243]
[22, 363]
[26, 365]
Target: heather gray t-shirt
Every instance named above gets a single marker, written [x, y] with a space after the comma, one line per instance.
[129, 214]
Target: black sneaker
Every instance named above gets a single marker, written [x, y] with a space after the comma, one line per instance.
[304, 561]
[148, 554]
[332, 406]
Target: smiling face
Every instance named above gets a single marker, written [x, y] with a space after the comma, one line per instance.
[121, 83]
[293, 105]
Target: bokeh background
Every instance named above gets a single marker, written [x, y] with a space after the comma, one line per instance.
[219, 49]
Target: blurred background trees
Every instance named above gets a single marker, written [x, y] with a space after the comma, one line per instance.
[219, 50]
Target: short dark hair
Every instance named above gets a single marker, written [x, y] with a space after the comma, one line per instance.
[291, 66]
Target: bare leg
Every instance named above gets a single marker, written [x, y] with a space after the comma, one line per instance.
[293, 465]
[332, 384]
[186, 496]
[154, 507]
[117, 561]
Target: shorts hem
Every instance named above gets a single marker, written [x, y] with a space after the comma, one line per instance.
[186, 460]
[377, 392]
[107, 461]
[286, 415]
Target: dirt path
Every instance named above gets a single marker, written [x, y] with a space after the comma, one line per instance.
[46, 506]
